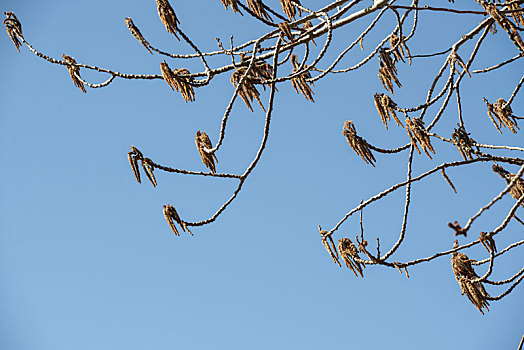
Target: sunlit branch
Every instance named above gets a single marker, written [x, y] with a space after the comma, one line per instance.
[418, 178]
[260, 150]
[494, 200]
[511, 246]
[282, 43]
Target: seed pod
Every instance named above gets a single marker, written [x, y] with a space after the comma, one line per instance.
[359, 145]
[417, 134]
[517, 13]
[247, 91]
[300, 82]
[284, 28]
[13, 27]
[290, 9]
[178, 80]
[202, 141]
[233, 4]
[464, 273]
[501, 114]
[488, 242]
[260, 71]
[398, 52]
[349, 253]
[172, 216]
[386, 108]
[463, 142]
[74, 72]
[168, 17]
[133, 156]
[517, 190]
[387, 71]
[147, 165]
[307, 26]
[136, 33]
[330, 246]
[258, 8]
[505, 24]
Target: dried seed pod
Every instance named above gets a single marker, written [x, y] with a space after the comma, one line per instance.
[136, 33]
[168, 75]
[464, 273]
[455, 58]
[398, 51]
[330, 251]
[13, 27]
[134, 166]
[417, 134]
[178, 80]
[168, 17]
[233, 4]
[501, 114]
[258, 8]
[74, 72]
[263, 71]
[202, 141]
[387, 71]
[290, 9]
[330, 246]
[184, 84]
[359, 145]
[147, 165]
[133, 156]
[137, 152]
[386, 108]
[307, 26]
[300, 82]
[463, 142]
[517, 14]
[488, 242]
[349, 253]
[172, 216]
[260, 71]
[504, 23]
[296, 66]
[248, 91]
[284, 28]
[517, 190]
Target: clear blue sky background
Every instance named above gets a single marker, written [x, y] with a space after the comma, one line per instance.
[87, 260]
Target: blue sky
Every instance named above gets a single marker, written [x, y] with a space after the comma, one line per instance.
[87, 260]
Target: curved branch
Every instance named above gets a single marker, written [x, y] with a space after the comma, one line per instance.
[406, 209]
[420, 177]
[511, 246]
[261, 149]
